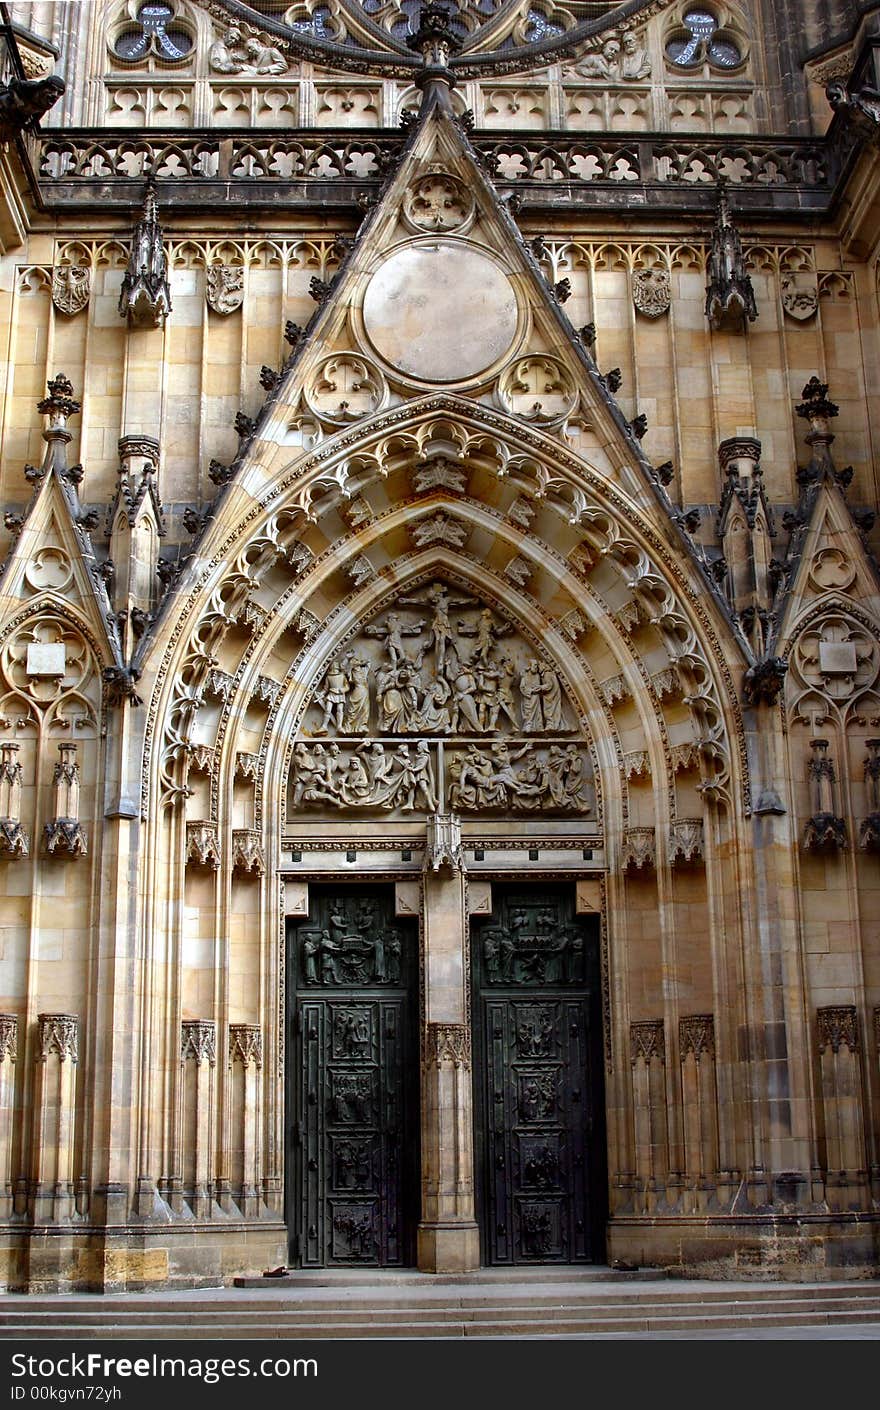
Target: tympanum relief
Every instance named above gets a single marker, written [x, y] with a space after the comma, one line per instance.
[439, 704]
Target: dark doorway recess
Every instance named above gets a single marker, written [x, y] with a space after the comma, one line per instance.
[539, 1098]
[353, 1172]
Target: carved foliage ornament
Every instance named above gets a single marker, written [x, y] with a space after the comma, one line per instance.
[651, 292]
[71, 287]
[224, 288]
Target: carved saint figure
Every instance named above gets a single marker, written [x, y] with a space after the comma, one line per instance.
[226, 55]
[229, 55]
[357, 711]
[602, 65]
[393, 630]
[336, 688]
[635, 63]
[541, 696]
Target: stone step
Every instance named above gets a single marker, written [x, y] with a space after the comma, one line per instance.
[427, 1297]
[362, 1308]
[837, 1306]
[563, 1325]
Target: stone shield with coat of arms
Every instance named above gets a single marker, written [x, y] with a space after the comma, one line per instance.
[651, 292]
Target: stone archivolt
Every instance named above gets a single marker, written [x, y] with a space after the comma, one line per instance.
[419, 700]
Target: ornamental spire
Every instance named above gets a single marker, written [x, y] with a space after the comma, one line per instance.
[436, 41]
[145, 298]
[730, 298]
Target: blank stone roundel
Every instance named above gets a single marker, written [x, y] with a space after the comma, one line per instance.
[440, 311]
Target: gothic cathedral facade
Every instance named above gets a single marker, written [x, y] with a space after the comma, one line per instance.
[439, 637]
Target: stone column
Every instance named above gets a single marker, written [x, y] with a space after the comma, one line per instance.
[448, 1240]
[54, 1118]
[8, 1054]
[198, 1057]
[246, 1062]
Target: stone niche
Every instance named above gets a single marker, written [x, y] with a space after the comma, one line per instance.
[440, 704]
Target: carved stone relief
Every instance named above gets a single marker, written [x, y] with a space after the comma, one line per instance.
[831, 568]
[438, 202]
[224, 288]
[800, 294]
[441, 668]
[49, 570]
[71, 287]
[344, 388]
[538, 389]
[651, 292]
[355, 947]
[837, 657]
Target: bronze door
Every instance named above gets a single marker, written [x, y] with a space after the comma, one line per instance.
[539, 1091]
[353, 1190]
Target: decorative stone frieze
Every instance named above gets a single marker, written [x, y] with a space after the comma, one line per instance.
[639, 852]
[443, 850]
[696, 1034]
[248, 857]
[447, 1043]
[202, 846]
[58, 1033]
[647, 1041]
[198, 1040]
[246, 1044]
[838, 1027]
[686, 840]
[8, 1037]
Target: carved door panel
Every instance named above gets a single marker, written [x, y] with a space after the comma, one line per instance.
[539, 1099]
[354, 1187]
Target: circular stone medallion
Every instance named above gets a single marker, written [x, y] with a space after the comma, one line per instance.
[440, 311]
